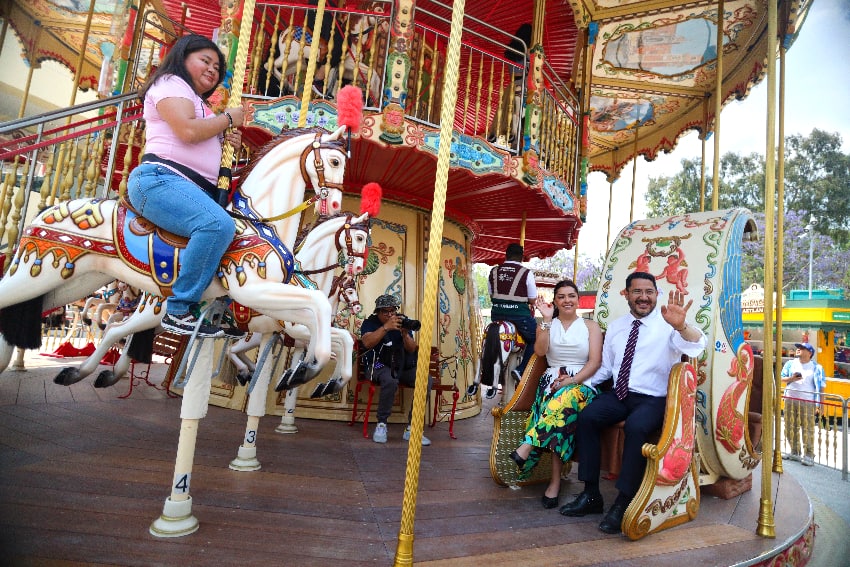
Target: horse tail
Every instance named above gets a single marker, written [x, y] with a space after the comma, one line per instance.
[490, 354]
[20, 324]
[141, 347]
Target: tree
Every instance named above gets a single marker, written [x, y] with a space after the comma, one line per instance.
[817, 176]
[829, 265]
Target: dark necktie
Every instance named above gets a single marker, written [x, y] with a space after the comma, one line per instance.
[622, 387]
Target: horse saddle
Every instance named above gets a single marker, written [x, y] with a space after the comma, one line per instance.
[147, 248]
[508, 332]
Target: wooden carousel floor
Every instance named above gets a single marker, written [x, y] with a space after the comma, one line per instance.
[83, 474]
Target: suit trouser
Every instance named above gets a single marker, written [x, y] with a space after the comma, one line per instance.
[643, 415]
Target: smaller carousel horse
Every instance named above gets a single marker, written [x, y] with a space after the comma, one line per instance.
[343, 290]
[501, 352]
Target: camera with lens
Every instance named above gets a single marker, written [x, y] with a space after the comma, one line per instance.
[409, 324]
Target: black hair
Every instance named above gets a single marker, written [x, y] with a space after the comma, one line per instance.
[559, 285]
[514, 252]
[640, 276]
[175, 62]
[520, 44]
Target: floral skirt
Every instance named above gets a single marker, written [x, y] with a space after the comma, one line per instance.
[552, 423]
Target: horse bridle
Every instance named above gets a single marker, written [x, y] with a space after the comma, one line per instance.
[340, 287]
[350, 254]
[323, 190]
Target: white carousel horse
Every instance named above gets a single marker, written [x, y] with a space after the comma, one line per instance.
[73, 248]
[343, 290]
[341, 233]
[501, 352]
[317, 261]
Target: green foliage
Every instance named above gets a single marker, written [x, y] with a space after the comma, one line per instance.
[816, 182]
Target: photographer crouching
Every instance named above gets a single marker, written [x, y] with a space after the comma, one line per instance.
[389, 353]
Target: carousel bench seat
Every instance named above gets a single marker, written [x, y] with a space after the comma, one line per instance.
[672, 471]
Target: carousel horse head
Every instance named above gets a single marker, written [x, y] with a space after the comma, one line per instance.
[320, 165]
[344, 290]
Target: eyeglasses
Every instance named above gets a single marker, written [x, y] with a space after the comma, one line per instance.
[640, 292]
[389, 310]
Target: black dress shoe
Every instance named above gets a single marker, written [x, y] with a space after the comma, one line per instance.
[520, 462]
[549, 503]
[613, 520]
[583, 505]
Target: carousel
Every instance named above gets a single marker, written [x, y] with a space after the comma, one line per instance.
[390, 145]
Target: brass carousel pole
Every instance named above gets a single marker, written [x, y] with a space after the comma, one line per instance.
[718, 105]
[522, 229]
[702, 160]
[780, 262]
[634, 177]
[236, 84]
[766, 524]
[82, 60]
[31, 66]
[404, 549]
[307, 89]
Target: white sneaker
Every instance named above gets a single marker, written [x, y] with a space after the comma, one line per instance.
[380, 434]
[791, 457]
[406, 437]
[808, 461]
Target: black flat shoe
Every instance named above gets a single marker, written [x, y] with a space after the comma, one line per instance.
[613, 520]
[520, 462]
[549, 503]
[583, 505]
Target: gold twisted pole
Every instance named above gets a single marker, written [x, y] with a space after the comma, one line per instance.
[307, 90]
[236, 84]
[404, 549]
[766, 525]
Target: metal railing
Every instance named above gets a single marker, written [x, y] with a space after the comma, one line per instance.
[815, 429]
[81, 151]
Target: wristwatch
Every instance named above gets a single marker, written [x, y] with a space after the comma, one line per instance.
[545, 326]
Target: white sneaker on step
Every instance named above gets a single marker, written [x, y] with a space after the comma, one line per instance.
[380, 434]
[406, 437]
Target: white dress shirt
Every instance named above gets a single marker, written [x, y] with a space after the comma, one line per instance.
[659, 347]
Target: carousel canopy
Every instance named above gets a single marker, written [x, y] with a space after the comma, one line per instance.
[650, 72]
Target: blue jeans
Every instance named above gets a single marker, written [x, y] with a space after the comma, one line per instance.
[527, 327]
[174, 203]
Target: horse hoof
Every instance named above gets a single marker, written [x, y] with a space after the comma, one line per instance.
[472, 390]
[319, 391]
[87, 321]
[106, 379]
[243, 377]
[68, 376]
[283, 382]
[299, 376]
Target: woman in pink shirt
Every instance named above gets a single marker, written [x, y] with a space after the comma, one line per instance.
[182, 158]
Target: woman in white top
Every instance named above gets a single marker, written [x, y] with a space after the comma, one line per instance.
[573, 349]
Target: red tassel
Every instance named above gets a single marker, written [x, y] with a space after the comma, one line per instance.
[349, 106]
[370, 199]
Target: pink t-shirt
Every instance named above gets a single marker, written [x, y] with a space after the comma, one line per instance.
[203, 157]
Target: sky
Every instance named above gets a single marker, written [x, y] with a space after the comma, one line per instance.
[817, 70]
